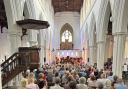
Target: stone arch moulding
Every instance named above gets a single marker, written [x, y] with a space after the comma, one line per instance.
[26, 11]
[124, 22]
[85, 35]
[25, 14]
[28, 7]
[86, 31]
[104, 17]
[68, 27]
[92, 23]
[92, 29]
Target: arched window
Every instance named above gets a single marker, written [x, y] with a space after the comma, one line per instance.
[66, 35]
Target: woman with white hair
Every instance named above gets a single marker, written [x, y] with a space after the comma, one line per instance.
[82, 83]
[108, 85]
[31, 84]
[23, 83]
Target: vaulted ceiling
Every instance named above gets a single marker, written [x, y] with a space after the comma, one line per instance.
[67, 5]
[59, 6]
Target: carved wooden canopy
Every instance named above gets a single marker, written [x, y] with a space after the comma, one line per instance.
[67, 5]
[33, 24]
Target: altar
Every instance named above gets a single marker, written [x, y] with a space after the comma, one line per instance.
[68, 56]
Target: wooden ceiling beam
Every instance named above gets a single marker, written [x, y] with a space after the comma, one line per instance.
[73, 5]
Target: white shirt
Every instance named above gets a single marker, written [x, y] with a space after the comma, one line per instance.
[125, 68]
[103, 81]
[81, 86]
[56, 87]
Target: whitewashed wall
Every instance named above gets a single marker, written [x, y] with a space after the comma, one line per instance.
[61, 18]
[4, 44]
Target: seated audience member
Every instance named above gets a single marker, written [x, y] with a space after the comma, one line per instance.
[92, 82]
[23, 84]
[114, 80]
[56, 75]
[69, 80]
[57, 82]
[108, 85]
[82, 83]
[119, 84]
[110, 77]
[72, 85]
[41, 82]
[100, 85]
[102, 79]
[31, 84]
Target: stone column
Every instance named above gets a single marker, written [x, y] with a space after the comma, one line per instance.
[118, 53]
[126, 49]
[33, 37]
[25, 41]
[33, 43]
[15, 40]
[92, 55]
[100, 54]
[85, 55]
[14, 14]
[41, 45]
[107, 48]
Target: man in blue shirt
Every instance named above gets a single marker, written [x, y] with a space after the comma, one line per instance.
[120, 85]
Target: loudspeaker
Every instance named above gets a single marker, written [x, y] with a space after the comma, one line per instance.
[44, 59]
[88, 59]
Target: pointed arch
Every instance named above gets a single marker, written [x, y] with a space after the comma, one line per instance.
[92, 40]
[66, 27]
[104, 16]
[104, 26]
[29, 9]
[26, 13]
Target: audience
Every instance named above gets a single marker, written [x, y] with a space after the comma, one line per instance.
[71, 76]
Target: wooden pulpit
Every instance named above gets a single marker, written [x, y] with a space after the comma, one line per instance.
[33, 53]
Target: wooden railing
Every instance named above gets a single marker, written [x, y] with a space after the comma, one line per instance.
[19, 62]
[14, 65]
[10, 58]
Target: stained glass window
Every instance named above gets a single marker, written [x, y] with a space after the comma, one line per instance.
[66, 36]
